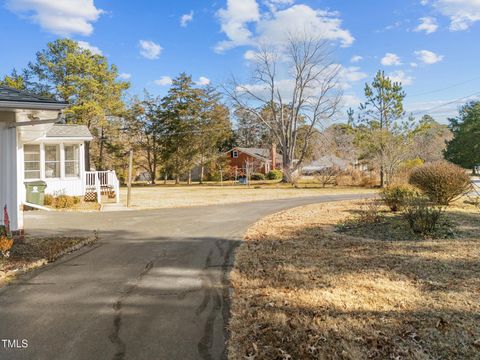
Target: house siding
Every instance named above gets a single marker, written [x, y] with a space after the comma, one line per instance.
[238, 163]
[63, 185]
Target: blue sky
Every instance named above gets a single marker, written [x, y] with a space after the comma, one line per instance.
[432, 46]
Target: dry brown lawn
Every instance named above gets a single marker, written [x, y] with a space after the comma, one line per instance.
[150, 197]
[301, 290]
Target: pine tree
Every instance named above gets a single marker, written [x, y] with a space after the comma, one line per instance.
[464, 149]
[381, 111]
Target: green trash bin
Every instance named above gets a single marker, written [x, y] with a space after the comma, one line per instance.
[36, 192]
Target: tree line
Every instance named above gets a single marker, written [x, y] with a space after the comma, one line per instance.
[191, 127]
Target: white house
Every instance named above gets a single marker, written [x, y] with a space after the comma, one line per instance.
[34, 147]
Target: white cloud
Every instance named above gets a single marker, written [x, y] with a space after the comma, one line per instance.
[60, 17]
[234, 22]
[244, 24]
[284, 86]
[428, 57]
[356, 58]
[300, 19]
[350, 101]
[401, 77]
[462, 13]
[250, 55]
[124, 76]
[87, 46]
[413, 64]
[203, 81]
[149, 49]
[186, 18]
[351, 74]
[164, 81]
[427, 24]
[391, 59]
[274, 5]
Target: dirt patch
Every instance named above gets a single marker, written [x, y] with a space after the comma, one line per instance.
[301, 290]
[37, 252]
[81, 206]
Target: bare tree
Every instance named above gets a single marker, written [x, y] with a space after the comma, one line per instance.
[328, 176]
[395, 152]
[308, 95]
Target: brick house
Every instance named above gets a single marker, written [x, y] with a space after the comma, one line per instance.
[255, 159]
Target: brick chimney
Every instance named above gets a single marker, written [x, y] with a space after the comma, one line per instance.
[273, 156]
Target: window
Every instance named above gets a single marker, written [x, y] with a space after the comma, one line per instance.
[52, 161]
[235, 154]
[32, 161]
[72, 164]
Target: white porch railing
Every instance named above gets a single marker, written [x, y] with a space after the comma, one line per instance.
[102, 183]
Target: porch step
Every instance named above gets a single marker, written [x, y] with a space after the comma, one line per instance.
[113, 207]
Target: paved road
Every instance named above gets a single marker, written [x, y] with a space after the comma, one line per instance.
[154, 287]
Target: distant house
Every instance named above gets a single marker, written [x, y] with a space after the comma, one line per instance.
[256, 160]
[34, 147]
[331, 161]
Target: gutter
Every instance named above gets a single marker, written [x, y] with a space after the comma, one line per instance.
[33, 122]
[33, 105]
[38, 207]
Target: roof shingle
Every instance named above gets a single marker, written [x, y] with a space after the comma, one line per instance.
[69, 130]
[11, 94]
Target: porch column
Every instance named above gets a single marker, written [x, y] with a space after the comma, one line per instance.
[10, 178]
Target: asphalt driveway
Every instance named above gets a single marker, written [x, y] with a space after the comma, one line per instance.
[154, 287]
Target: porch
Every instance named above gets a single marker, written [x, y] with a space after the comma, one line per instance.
[101, 183]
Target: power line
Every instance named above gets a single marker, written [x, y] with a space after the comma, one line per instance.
[444, 104]
[447, 88]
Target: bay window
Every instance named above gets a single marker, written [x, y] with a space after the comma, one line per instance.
[51, 161]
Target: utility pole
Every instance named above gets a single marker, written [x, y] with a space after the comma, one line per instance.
[130, 171]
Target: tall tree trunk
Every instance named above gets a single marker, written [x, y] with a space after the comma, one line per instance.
[202, 173]
[287, 169]
[177, 179]
[382, 176]
[190, 177]
[153, 174]
[165, 178]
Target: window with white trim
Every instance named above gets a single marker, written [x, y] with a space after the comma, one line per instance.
[52, 161]
[72, 161]
[235, 154]
[31, 161]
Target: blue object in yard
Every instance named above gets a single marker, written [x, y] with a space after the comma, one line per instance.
[243, 181]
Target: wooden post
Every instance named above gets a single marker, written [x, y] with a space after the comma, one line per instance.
[130, 171]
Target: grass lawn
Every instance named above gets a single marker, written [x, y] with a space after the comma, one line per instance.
[36, 252]
[161, 196]
[302, 290]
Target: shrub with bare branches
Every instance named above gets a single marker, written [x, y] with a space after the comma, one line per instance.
[442, 181]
